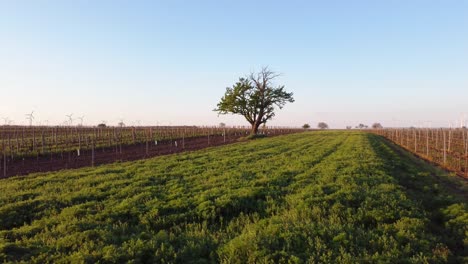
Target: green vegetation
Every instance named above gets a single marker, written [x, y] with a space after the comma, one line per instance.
[255, 98]
[317, 197]
[252, 137]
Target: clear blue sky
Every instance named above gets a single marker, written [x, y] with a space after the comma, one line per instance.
[397, 62]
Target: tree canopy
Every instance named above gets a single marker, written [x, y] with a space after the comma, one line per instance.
[377, 126]
[322, 125]
[255, 97]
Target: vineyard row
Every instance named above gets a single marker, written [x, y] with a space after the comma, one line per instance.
[446, 147]
[31, 149]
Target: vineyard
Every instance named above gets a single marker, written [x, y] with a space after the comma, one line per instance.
[41, 148]
[447, 148]
[318, 197]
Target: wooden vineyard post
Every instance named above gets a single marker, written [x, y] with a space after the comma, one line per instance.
[449, 139]
[407, 140]
[466, 151]
[224, 134]
[79, 144]
[9, 146]
[147, 143]
[445, 147]
[415, 143]
[402, 137]
[463, 153]
[92, 153]
[466, 154]
[183, 138]
[17, 143]
[114, 138]
[4, 162]
[109, 138]
[120, 141]
[4, 159]
[432, 135]
[68, 147]
[460, 158]
[208, 132]
[427, 143]
[436, 145]
[42, 142]
[34, 140]
[171, 133]
[400, 133]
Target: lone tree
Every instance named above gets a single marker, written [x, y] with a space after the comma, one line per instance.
[361, 126]
[306, 126]
[322, 125]
[377, 126]
[255, 97]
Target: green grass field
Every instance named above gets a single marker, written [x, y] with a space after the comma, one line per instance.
[319, 197]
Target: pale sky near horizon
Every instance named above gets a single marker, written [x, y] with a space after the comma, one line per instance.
[401, 63]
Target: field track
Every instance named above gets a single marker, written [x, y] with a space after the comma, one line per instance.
[318, 197]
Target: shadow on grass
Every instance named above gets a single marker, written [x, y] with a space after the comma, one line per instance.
[442, 195]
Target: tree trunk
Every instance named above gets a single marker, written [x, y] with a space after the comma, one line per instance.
[254, 130]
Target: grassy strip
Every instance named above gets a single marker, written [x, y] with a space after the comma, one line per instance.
[321, 197]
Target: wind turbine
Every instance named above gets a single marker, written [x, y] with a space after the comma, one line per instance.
[6, 120]
[70, 119]
[30, 117]
[121, 123]
[462, 120]
[81, 119]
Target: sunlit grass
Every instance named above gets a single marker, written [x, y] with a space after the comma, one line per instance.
[336, 197]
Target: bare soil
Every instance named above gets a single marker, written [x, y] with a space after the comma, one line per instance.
[71, 160]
